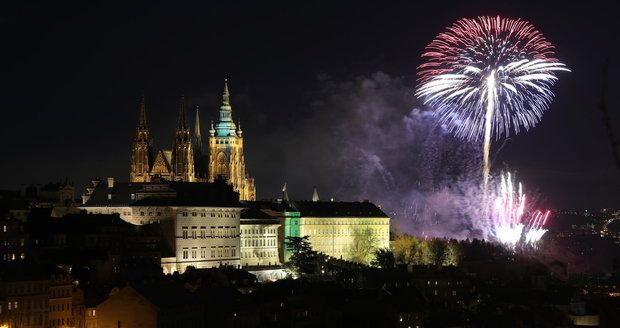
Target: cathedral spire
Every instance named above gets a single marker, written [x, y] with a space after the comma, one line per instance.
[182, 125]
[197, 140]
[225, 109]
[142, 112]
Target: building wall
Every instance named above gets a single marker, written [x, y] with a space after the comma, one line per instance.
[337, 236]
[60, 303]
[259, 244]
[90, 317]
[13, 240]
[126, 308]
[207, 237]
[24, 303]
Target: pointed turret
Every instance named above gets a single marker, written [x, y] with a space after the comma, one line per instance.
[181, 123]
[315, 195]
[197, 138]
[212, 130]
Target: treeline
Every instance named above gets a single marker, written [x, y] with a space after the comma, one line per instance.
[411, 250]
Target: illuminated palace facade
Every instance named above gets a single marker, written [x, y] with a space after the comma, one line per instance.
[187, 160]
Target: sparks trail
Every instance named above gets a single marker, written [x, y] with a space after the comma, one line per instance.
[510, 222]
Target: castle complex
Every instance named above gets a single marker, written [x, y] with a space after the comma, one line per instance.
[187, 161]
[206, 204]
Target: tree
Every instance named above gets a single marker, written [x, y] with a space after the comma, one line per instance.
[303, 258]
[364, 244]
[411, 250]
[384, 258]
[453, 253]
[438, 248]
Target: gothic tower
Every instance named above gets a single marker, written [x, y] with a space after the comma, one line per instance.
[182, 154]
[142, 152]
[226, 152]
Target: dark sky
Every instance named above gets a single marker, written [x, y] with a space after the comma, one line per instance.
[71, 75]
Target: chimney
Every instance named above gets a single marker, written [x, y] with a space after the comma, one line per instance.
[111, 182]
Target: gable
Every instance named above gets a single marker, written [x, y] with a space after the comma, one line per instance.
[161, 165]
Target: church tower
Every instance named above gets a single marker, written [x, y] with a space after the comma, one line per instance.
[142, 152]
[226, 152]
[182, 154]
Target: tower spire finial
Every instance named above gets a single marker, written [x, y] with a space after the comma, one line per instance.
[226, 95]
[197, 135]
[142, 112]
[182, 123]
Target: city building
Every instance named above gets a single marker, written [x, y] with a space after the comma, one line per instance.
[343, 230]
[13, 239]
[33, 295]
[187, 161]
[259, 238]
[199, 220]
[161, 305]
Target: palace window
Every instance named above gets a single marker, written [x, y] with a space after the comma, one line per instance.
[185, 253]
[184, 232]
[194, 251]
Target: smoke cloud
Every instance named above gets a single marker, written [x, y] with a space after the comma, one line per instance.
[368, 139]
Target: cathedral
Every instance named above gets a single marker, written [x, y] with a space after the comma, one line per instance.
[187, 160]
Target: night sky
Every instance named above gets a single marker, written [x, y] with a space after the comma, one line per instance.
[72, 74]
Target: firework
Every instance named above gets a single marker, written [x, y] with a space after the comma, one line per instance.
[535, 228]
[488, 76]
[509, 224]
[508, 209]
